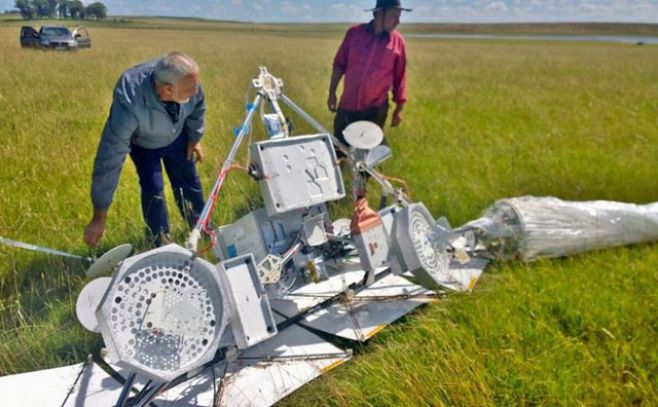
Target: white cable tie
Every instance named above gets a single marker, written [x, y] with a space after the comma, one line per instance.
[193, 240]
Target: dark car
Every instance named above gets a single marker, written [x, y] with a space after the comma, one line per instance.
[29, 37]
[55, 37]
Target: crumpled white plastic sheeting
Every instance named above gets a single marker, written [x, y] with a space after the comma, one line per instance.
[528, 228]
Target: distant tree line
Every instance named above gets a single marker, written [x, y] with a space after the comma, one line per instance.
[74, 9]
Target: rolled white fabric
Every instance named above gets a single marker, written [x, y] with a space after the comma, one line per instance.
[527, 228]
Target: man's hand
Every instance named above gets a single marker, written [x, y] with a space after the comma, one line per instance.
[397, 117]
[195, 152]
[331, 102]
[95, 229]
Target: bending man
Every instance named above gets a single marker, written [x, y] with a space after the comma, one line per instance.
[157, 116]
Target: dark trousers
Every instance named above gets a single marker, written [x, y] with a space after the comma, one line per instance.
[184, 182]
[344, 118]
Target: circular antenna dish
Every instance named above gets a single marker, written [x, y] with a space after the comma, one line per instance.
[418, 240]
[88, 301]
[164, 313]
[363, 135]
[432, 260]
[109, 260]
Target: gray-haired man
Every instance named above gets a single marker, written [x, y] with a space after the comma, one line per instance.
[157, 116]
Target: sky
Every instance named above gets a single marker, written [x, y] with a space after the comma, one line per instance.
[645, 11]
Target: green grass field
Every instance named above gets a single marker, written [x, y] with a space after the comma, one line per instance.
[486, 120]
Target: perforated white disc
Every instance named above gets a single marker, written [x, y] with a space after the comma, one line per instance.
[363, 135]
[88, 301]
[164, 313]
[421, 245]
[435, 262]
[109, 260]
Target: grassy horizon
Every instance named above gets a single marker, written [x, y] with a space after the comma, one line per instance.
[196, 24]
[485, 121]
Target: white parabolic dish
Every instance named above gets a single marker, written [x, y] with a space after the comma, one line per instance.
[364, 135]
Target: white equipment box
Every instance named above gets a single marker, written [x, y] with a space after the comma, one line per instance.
[258, 234]
[251, 315]
[298, 172]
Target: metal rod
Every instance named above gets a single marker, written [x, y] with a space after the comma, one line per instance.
[304, 115]
[42, 249]
[123, 397]
[141, 394]
[195, 235]
[107, 368]
[82, 370]
[152, 393]
[342, 147]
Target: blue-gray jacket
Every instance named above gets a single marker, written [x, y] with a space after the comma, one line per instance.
[138, 117]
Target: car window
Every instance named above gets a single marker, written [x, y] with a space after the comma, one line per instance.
[55, 31]
[29, 32]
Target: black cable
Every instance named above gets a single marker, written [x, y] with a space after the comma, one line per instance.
[214, 388]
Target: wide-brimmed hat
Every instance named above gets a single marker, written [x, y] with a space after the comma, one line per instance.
[383, 4]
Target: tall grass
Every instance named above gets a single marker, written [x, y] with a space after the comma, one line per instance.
[486, 120]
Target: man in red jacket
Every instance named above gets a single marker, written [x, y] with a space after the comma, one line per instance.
[373, 60]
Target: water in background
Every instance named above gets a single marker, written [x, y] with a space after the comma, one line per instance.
[584, 38]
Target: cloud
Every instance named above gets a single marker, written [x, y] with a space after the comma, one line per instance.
[497, 6]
